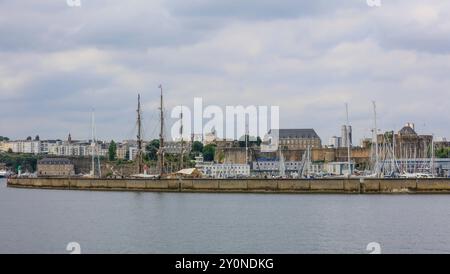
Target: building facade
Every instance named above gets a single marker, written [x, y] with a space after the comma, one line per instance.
[221, 171]
[295, 139]
[55, 167]
[273, 167]
[407, 145]
[335, 142]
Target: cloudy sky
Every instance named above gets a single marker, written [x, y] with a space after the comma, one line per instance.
[309, 57]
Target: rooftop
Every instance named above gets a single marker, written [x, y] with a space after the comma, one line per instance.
[55, 161]
[407, 130]
[301, 133]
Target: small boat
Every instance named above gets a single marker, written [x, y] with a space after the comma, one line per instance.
[416, 175]
[4, 173]
[146, 176]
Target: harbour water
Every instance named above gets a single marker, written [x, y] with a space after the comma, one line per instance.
[45, 221]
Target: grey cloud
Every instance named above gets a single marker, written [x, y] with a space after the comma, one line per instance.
[258, 9]
[308, 57]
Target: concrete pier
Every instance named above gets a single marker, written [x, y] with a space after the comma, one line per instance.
[342, 185]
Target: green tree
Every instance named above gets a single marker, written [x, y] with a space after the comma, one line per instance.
[112, 151]
[197, 146]
[443, 153]
[152, 150]
[208, 152]
[28, 162]
[258, 141]
[3, 138]
[250, 141]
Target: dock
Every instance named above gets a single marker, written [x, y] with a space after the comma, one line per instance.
[341, 185]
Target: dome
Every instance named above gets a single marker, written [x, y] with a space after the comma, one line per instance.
[407, 130]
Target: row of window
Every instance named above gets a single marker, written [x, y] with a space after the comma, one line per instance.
[299, 142]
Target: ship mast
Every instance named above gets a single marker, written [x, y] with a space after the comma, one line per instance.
[182, 140]
[92, 145]
[139, 136]
[246, 142]
[432, 156]
[161, 136]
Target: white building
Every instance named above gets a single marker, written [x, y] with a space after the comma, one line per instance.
[132, 153]
[222, 171]
[273, 167]
[338, 168]
[335, 142]
[27, 146]
[74, 148]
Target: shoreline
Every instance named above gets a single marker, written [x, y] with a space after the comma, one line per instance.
[251, 186]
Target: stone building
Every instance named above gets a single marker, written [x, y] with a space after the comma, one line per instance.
[294, 139]
[408, 144]
[49, 167]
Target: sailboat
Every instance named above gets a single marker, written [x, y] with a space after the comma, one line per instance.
[304, 170]
[161, 142]
[142, 172]
[94, 152]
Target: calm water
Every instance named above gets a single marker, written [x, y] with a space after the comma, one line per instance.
[44, 221]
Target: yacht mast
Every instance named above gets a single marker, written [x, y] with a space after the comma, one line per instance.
[432, 155]
[394, 157]
[94, 150]
[375, 132]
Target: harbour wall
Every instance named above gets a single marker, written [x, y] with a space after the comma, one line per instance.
[356, 186]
